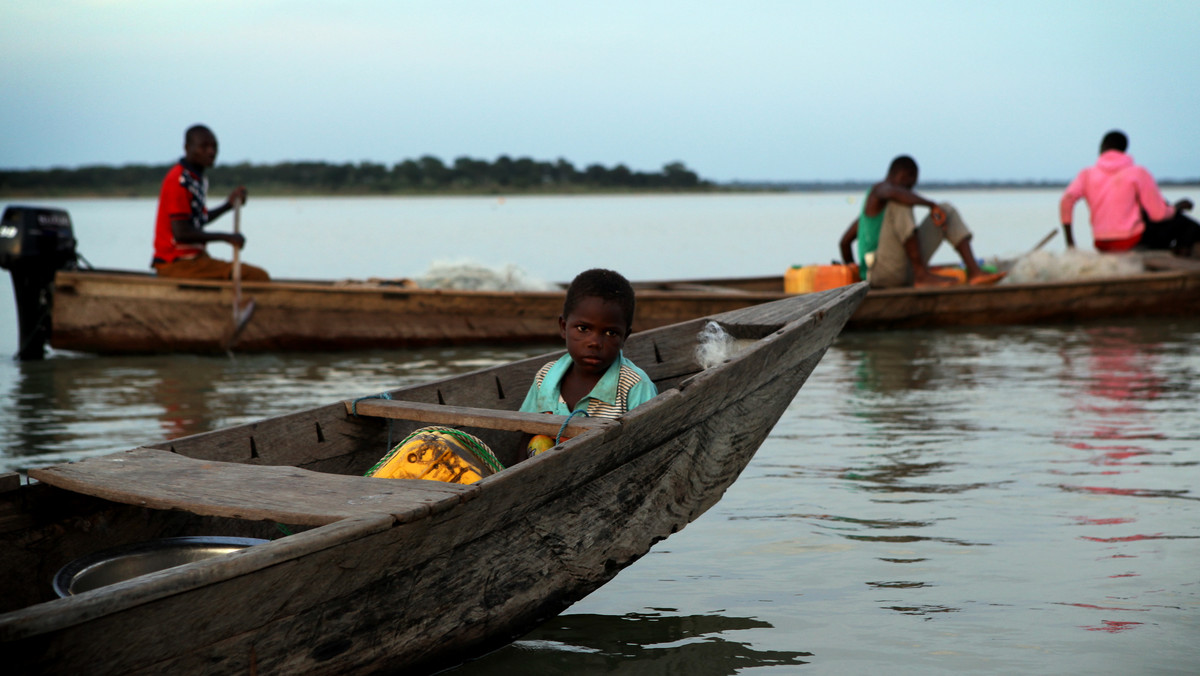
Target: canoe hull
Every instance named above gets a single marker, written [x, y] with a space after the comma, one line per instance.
[123, 313]
[424, 588]
[555, 545]
[114, 313]
[1157, 294]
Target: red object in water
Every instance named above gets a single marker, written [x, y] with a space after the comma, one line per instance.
[1133, 538]
[1112, 626]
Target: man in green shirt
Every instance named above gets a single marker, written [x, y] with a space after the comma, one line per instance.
[893, 249]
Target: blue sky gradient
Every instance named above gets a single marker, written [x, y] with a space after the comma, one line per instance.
[765, 90]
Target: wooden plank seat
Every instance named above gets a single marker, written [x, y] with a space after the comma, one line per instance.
[467, 416]
[290, 495]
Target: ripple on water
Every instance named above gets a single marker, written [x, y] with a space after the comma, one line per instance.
[983, 501]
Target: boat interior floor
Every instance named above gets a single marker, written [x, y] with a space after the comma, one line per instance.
[162, 479]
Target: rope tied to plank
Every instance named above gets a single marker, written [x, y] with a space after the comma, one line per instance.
[381, 395]
[558, 437]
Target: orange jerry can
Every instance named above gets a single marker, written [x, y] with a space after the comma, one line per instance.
[809, 278]
[833, 276]
[799, 279]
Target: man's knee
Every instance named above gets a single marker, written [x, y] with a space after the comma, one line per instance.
[253, 273]
[956, 228]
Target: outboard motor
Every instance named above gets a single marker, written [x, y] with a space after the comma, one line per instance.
[35, 242]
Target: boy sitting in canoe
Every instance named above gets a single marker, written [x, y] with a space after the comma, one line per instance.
[179, 236]
[895, 251]
[593, 378]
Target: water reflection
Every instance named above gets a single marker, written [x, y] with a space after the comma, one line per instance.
[897, 364]
[1124, 379]
[922, 610]
[947, 427]
[1088, 570]
[1120, 380]
[915, 391]
[1121, 385]
[635, 643]
[67, 408]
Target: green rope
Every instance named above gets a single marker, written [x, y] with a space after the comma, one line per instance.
[390, 454]
[476, 446]
[473, 444]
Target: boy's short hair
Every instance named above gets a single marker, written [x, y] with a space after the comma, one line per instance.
[195, 131]
[608, 285]
[903, 163]
[1114, 140]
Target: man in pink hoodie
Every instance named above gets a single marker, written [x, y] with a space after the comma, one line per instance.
[1127, 209]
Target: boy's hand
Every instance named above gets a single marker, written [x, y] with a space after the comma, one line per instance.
[1184, 204]
[238, 195]
[938, 215]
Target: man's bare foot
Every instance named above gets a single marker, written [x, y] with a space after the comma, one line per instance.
[986, 278]
[932, 279]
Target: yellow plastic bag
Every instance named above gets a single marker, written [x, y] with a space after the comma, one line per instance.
[438, 454]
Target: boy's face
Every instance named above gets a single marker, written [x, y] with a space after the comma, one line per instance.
[201, 149]
[595, 332]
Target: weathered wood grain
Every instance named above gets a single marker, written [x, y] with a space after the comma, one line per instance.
[411, 590]
[119, 312]
[114, 312]
[532, 423]
[161, 480]
[1160, 293]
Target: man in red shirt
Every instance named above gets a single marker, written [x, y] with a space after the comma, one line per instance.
[179, 237]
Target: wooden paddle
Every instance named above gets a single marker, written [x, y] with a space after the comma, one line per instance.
[1045, 241]
[241, 315]
[1006, 265]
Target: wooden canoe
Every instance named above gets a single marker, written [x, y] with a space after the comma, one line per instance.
[112, 312]
[383, 575]
[1169, 287]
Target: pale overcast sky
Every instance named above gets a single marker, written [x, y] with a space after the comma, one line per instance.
[737, 90]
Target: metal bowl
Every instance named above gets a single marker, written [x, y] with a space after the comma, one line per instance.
[123, 563]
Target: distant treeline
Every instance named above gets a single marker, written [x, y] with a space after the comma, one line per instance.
[849, 185]
[425, 175]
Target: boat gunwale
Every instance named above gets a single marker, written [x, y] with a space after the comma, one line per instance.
[57, 614]
[645, 291]
[1121, 280]
[652, 288]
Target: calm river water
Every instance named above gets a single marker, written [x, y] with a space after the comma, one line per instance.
[1011, 500]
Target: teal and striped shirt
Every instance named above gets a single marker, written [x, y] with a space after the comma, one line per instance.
[622, 387]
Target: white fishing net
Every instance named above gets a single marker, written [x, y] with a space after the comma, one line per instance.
[714, 345]
[1049, 266]
[471, 276]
